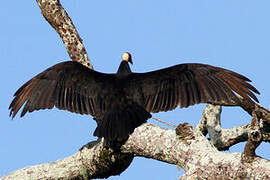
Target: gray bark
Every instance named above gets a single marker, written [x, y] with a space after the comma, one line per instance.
[186, 147]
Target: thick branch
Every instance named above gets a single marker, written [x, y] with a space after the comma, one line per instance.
[190, 150]
[58, 18]
[93, 161]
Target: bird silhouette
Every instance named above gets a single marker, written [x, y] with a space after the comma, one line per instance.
[122, 101]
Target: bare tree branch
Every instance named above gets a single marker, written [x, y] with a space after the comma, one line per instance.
[223, 139]
[58, 18]
[249, 107]
[189, 149]
[186, 147]
[93, 161]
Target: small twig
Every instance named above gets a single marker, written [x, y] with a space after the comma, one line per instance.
[249, 107]
[164, 122]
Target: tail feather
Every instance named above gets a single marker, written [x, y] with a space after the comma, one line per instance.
[118, 124]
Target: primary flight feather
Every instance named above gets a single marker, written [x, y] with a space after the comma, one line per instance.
[122, 101]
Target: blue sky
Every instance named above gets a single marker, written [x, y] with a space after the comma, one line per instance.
[230, 34]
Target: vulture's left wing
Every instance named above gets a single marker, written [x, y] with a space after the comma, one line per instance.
[68, 86]
[188, 84]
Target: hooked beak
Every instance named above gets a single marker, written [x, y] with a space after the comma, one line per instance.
[130, 60]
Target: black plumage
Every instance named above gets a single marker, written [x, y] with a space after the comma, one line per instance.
[123, 101]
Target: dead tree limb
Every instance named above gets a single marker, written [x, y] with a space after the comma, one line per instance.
[186, 147]
[223, 139]
[59, 19]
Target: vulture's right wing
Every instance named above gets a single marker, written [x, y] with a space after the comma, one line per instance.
[68, 86]
[187, 84]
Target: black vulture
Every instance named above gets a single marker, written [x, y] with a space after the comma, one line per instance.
[122, 101]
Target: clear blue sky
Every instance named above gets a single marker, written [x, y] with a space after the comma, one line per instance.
[231, 34]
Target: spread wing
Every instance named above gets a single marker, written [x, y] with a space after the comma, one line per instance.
[68, 86]
[188, 84]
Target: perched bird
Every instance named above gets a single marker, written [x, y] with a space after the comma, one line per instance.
[122, 101]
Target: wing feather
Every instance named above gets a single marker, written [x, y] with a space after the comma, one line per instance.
[188, 84]
[68, 86]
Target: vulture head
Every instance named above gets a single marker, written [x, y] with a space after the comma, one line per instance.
[127, 57]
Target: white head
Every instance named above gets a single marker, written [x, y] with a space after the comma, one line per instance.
[127, 57]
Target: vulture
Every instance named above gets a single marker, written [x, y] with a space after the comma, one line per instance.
[122, 101]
